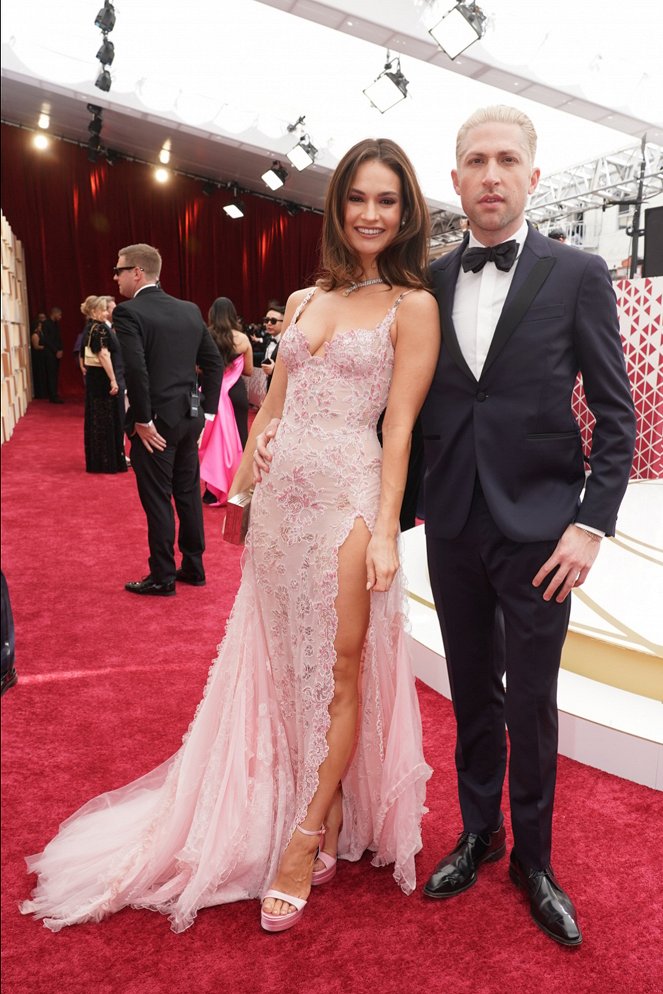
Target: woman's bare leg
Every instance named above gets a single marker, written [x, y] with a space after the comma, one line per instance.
[352, 610]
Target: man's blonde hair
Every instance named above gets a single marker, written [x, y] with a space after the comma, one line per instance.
[144, 256]
[499, 114]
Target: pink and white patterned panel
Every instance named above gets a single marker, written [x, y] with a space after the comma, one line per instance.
[640, 305]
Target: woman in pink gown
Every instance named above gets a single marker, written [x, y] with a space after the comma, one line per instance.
[222, 443]
[307, 742]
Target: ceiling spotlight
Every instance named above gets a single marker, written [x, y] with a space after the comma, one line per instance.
[40, 142]
[93, 151]
[103, 80]
[389, 88]
[275, 177]
[106, 53]
[95, 126]
[112, 156]
[164, 154]
[94, 142]
[161, 175]
[303, 154]
[460, 28]
[235, 209]
[208, 188]
[44, 121]
[105, 19]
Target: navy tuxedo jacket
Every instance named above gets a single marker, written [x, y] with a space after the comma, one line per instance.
[163, 340]
[514, 426]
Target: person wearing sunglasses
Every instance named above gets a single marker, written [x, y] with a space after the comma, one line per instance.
[273, 322]
[164, 340]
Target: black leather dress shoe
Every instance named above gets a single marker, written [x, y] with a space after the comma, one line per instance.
[183, 577]
[458, 871]
[149, 586]
[551, 908]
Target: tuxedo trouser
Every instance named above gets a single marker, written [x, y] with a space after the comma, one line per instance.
[494, 621]
[162, 477]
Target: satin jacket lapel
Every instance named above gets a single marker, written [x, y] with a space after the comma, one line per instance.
[445, 279]
[534, 249]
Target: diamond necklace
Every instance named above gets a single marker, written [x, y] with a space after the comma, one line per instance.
[358, 286]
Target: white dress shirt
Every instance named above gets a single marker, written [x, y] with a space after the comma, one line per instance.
[478, 303]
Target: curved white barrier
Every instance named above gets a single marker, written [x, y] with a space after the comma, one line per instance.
[618, 615]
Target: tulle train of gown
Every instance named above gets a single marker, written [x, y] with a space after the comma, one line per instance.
[221, 448]
[209, 825]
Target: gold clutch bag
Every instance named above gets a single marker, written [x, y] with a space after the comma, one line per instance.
[236, 523]
[91, 358]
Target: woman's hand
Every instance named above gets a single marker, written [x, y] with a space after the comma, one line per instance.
[262, 456]
[114, 389]
[381, 562]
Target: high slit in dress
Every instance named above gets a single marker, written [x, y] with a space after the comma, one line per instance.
[209, 825]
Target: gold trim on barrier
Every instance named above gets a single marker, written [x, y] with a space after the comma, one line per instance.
[634, 637]
[634, 552]
[420, 600]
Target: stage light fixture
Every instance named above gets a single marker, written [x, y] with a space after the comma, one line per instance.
[106, 53]
[460, 28]
[164, 154]
[103, 80]
[303, 154]
[94, 109]
[105, 19]
[41, 142]
[44, 121]
[389, 88]
[235, 210]
[208, 188]
[275, 177]
[112, 156]
[161, 175]
[94, 142]
[95, 126]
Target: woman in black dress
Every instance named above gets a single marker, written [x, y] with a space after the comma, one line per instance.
[104, 452]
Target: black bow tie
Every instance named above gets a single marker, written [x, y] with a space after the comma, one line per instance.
[503, 256]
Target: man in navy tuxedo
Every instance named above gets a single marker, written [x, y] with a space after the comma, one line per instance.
[512, 522]
[164, 341]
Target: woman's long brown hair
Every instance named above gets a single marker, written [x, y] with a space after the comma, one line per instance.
[405, 261]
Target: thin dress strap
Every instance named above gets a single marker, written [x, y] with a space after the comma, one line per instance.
[303, 304]
[398, 299]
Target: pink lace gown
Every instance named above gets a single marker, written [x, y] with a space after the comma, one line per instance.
[208, 826]
[221, 449]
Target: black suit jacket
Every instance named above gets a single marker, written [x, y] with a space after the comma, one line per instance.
[51, 336]
[514, 426]
[163, 339]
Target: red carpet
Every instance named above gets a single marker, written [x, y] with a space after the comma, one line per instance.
[107, 686]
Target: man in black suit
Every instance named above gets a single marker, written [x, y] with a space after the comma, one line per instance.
[51, 339]
[274, 327]
[511, 526]
[163, 340]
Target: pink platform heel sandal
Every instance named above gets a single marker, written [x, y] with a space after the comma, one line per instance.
[329, 872]
[280, 923]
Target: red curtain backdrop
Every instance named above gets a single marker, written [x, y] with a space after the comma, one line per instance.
[72, 216]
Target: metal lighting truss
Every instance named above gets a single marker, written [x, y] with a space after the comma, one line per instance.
[610, 180]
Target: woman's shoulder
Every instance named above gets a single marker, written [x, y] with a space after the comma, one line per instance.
[415, 301]
[295, 299]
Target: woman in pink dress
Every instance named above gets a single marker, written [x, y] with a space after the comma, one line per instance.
[224, 438]
[307, 743]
